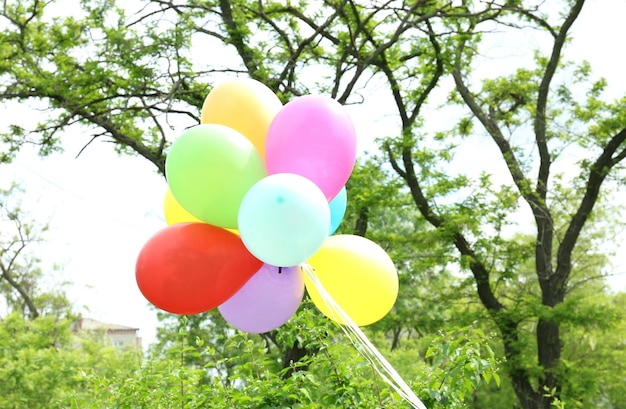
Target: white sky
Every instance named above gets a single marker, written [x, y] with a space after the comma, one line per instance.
[103, 207]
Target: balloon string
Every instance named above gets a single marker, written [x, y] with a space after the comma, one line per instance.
[363, 345]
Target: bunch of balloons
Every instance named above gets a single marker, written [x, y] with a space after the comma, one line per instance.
[254, 192]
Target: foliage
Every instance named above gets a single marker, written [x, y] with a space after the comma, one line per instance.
[33, 373]
[44, 365]
[335, 377]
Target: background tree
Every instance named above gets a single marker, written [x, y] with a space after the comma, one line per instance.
[44, 365]
[22, 287]
[131, 78]
[42, 362]
[503, 105]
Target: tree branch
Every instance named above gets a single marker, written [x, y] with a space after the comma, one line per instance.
[598, 172]
[478, 269]
[542, 101]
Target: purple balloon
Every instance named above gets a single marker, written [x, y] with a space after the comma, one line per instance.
[268, 300]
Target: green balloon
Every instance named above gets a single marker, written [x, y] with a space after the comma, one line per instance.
[209, 169]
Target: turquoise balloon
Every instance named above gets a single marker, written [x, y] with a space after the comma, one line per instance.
[284, 219]
[209, 170]
[337, 210]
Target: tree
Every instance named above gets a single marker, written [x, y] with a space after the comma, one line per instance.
[43, 364]
[502, 106]
[20, 271]
[142, 73]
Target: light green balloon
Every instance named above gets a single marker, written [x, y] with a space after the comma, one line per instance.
[209, 169]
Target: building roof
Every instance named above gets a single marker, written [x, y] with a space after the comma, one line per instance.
[91, 324]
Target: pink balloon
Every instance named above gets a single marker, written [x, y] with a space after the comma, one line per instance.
[266, 301]
[313, 136]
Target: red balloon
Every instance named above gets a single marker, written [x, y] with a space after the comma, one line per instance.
[190, 268]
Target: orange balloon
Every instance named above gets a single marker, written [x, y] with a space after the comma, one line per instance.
[245, 105]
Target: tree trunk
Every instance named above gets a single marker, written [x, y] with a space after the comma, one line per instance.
[295, 354]
[549, 354]
[528, 397]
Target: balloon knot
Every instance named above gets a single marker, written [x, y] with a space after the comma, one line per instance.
[280, 270]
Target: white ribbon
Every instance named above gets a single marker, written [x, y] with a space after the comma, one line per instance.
[363, 344]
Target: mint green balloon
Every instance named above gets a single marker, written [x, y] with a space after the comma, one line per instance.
[284, 219]
[209, 169]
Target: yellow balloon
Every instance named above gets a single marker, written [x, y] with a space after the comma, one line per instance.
[358, 274]
[245, 105]
[175, 213]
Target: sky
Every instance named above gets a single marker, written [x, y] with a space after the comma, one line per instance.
[103, 207]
